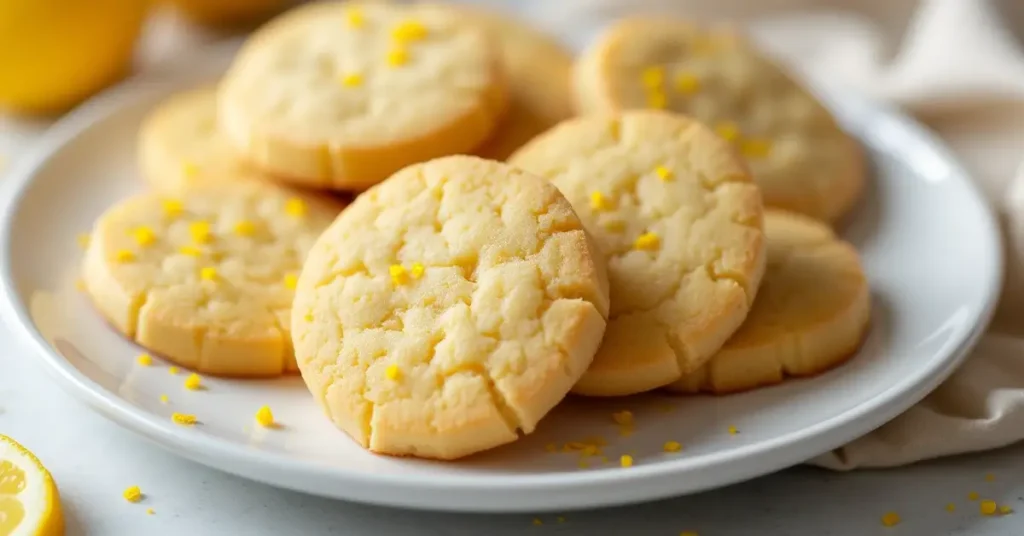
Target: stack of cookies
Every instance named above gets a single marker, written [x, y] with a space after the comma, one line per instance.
[524, 225]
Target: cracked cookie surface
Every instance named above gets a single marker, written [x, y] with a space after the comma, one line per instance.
[811, 312]
[206, 279]
[180, 146]
[800, 157]
[679, 222]
[340, 95]
[447, 308]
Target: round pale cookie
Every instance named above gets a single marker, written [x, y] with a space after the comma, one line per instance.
[800, 157]
[447, 308]
[539, 71]
[678, 218]
[180, 146]
[341, 95]
[811, 312]
[206, 279]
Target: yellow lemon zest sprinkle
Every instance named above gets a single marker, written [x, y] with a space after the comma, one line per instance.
[191, 251]
[193, 382]
[264, 416]
[590, 450]
[987, 507]
[291, 281]
[624, 417]
[354, 17]
[409, 30]
[183, 419]
[733, 430]
[172, 207]
[208, 273]
[598, 201]
[663, 173]
[392, 372]
[891, 519]
[687, 83]
[728, 131]
[164, 399]
[756, 148]
[80, 285]
[172, 370]
[950, 507]
[308, 317]
[132, 494]
[245, 228]
[417, 270]
[973, 495]
[124, 255]
[537, 521]
[397, 57]
[551, 447]
[200, 231]
[626, 460]
[190, 169]
[397, 272]
[989, 477]
[1005, 509]
[653, 77]
[83, 240]
[144, 236]
[672, 446]
[295, 207]
[647, 241]
[604, 459]
[352, 80]
[560, 519]
[144, 360]
[583, 464]
[150, 511]
[615, 226]
[657, 100]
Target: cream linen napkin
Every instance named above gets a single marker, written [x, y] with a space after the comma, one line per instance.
[956, 65]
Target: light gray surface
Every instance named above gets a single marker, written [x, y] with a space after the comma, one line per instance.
[93, 461]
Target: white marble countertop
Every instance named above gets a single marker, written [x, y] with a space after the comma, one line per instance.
[93, 461]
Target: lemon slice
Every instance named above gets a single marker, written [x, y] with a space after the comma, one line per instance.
[29, 502]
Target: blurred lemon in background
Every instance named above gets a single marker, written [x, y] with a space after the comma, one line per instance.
[228, 12]
[55, 53]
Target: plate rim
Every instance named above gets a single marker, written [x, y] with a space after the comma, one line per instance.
[441, 492]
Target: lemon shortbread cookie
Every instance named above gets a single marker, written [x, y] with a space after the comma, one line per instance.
[811, 312]
[180, 146]
[678, 219]
[206, 279]
[341, 95]
[798, 154]
[447, 308]
[539, 72]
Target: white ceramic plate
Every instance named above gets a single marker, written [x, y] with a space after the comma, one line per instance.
[928, 240]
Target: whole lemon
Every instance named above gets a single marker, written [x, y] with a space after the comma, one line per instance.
[55, 53]
[228, 12]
